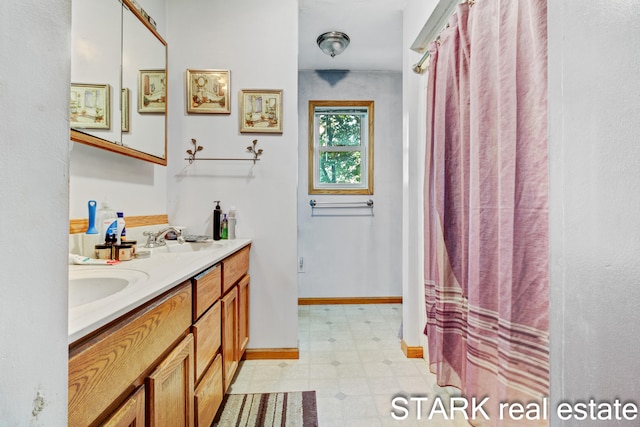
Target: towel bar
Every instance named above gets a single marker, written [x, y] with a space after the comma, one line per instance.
[356, 204]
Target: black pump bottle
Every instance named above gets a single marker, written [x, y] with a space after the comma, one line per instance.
[217, 213]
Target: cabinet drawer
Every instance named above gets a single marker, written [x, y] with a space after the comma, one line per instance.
[234, 267]
[102, 369]
[208, 336]
[209, 394]
[207, 288]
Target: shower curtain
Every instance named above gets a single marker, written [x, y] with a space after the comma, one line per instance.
[486, 188]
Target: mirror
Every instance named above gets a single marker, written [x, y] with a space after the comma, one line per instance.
[144, 75]
[95, 68]
[118, 80]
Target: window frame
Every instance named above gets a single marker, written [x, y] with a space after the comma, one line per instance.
[366, 187]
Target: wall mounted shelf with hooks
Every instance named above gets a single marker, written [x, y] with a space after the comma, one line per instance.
[257, 152]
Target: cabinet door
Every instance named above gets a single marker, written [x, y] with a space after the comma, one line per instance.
[209, 394]
[170, 388]
[130, 413]
[243, 316]
[229, 335]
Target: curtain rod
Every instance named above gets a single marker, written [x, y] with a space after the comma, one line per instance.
[417, 67]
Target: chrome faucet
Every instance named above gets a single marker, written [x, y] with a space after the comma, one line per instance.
[155, 239]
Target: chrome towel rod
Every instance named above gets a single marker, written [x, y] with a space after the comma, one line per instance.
[367, 204]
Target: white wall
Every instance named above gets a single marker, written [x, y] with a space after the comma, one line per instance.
[34, 136]
[594, 111]
[133, 186]
[353, 256]
[414, 85]
[257, 42]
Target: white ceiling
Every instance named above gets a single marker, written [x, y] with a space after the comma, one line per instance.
[374, 27]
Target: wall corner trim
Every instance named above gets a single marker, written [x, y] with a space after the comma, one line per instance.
[412, 352]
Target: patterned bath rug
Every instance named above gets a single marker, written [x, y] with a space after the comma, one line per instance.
[293, 409]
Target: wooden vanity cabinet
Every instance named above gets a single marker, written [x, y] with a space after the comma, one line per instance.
[105, 369]
[169, 362]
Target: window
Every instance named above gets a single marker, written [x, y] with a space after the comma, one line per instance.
[340, 147]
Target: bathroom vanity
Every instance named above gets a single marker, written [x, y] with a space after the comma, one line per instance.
[163, 350]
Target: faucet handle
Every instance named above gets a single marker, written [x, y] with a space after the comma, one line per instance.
[151, 239]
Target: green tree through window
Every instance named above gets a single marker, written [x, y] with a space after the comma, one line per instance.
[341, 147]
[339, 130]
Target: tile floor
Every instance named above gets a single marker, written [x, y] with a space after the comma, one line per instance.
[351, 356]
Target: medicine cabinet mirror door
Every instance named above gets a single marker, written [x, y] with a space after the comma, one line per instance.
[115, 63]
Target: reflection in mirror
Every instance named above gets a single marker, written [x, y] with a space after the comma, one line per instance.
[117, 59]
[95, 68]
[143, 73]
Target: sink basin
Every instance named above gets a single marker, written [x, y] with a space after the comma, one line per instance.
[172, 248]
[89, 285]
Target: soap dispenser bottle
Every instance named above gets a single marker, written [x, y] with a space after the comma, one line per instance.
[217, 213]
[224, 227]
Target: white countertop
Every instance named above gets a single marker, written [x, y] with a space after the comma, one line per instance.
[165, 270]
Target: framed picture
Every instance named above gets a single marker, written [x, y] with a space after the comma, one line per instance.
[90, 106]
[124, 109]
[152, 91]
[261, 111]
[208, 91]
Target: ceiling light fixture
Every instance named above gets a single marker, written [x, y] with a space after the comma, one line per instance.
[333, 43]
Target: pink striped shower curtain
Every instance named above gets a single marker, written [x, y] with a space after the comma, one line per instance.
[486, 216]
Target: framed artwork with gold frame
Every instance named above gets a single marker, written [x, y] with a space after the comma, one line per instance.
[152, 91]
[208, 91]
[90, 106]
[261, 111]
